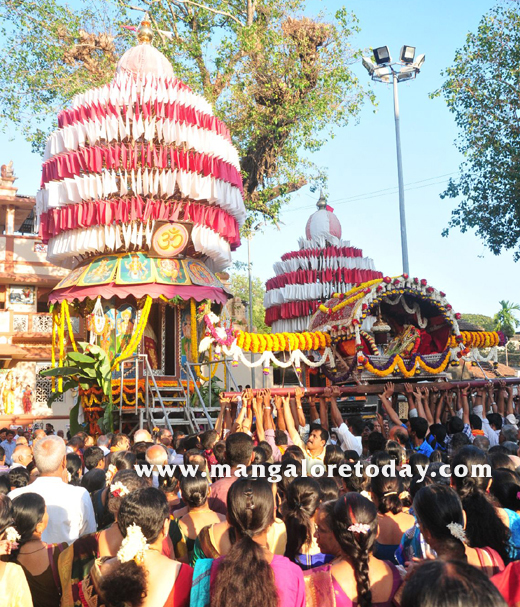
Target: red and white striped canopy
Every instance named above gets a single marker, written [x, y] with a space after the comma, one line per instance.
[144, 148]
[323, 265]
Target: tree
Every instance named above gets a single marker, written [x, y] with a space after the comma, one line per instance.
[240, 288]
[505, 319]
[485, 322]
[482, 90]
[281, 81]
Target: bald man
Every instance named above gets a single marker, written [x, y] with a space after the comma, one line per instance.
[156, 456]
[22, 456]
[39, 435]
[142, 436]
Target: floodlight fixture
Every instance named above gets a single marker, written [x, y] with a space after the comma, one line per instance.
[407, 73]
[407, 54]
[419, 61]
[382, 55]
[383, 74]
[368, 64]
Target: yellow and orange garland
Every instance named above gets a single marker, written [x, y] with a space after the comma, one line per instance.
[137, 335]
[195, 347]
[399, 363]
[350, 297]
[476, 339]
[282, 342]
[60, 320]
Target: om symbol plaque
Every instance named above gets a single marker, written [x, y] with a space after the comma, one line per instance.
[170, 240]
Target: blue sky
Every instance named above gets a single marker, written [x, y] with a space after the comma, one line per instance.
[474, 279]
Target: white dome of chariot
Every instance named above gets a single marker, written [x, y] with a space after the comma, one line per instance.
[323, 265]
[138, 152]
[144, 59]
[323, 225]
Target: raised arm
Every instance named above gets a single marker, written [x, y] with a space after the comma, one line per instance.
[429, 404]
[418, 395]
[220, 419]
[258, 407]
[408, 392]
[299, 393]
[439, 409]
[386, 400]
[268, 413]
[500, 398]
[227, 422]
[465, 404]
[289, 421]
[280, 419]
[335, 414]
[324, 413]
[509, 404]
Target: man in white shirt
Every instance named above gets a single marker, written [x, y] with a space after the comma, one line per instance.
[70, 510]
[156, 456]
[349, 435]
[103, 442]
[315, 447]
[22, 456]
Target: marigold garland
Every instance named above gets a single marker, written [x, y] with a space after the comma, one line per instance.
[476, 339]
[66, 311]
[194, 345]
[258, 343]
[406, 371]
[349, 297]
[137, 335]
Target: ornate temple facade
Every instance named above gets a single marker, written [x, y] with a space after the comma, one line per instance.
[26, 279]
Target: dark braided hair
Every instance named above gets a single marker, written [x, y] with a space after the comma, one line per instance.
[303, 496]
[356, 547]
[436, 507]
[387, 490]
[483, 527]
[28, 512]
[245, 572]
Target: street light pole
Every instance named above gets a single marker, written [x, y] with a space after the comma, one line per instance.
[402, 211]
[382, 69]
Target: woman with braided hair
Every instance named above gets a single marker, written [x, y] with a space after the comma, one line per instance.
[250, 575]
[355, 578]
[484, 527]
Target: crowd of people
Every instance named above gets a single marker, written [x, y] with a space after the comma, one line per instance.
[315, 510]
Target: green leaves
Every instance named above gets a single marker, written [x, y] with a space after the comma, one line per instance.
[482, 90]
[281, 82]
[88, 369]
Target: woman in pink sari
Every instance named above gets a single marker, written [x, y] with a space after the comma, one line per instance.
[355, 578]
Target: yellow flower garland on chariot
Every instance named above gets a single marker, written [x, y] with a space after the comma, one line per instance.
[137, 335]
[194, 345]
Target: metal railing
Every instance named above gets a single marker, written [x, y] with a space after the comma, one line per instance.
[147, 375]
[140, 365]
[191, 378]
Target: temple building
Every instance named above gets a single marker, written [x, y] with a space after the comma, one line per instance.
[26, 279]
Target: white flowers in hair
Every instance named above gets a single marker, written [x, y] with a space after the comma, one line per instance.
[457, 530]
[359, 528]
[133, 546]
[69, 476]
[118, 490]
[110, 473]
[11, 535]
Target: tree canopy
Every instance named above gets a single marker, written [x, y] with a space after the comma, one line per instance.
[480, 320]
[482, 90]
[240, 288]
[505, 319]
[280, 80]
